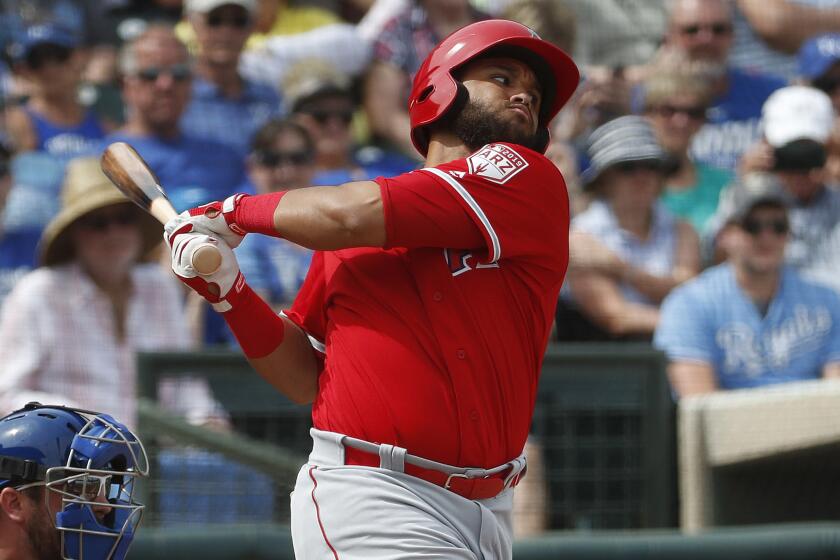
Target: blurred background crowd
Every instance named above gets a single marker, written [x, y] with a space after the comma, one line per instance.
[701, 152]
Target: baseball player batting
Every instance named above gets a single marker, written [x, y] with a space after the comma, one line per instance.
[420, 330]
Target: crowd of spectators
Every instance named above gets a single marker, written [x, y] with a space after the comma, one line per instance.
[682, 106]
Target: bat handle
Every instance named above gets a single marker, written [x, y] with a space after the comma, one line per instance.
[206, 259]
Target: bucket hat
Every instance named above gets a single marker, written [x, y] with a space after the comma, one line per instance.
[628, 138]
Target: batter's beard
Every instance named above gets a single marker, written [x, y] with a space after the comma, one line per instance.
[477, 125]
[44, 538]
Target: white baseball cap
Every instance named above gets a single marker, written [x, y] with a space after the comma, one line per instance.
[797, 113]
[205, 6]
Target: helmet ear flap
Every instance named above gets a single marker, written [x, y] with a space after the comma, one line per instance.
[421, 134]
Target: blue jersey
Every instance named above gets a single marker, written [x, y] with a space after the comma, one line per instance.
[734, 119]
[67, 142]
[710, 319]
[193, 171]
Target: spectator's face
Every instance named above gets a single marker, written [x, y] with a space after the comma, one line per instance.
[829, 82]
[803, 185]
[504, 103]
[222, 33]
[676, 120]
[633, 186]
[159, 89]
[758, 242]
[328, 121]
[287, 165]
[702, 29]
[52, 69]
[108, 241]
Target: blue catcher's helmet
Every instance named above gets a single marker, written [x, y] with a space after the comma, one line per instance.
[88, 459]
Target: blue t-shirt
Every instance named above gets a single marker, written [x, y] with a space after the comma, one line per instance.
[233, 122]
[734, 119]
[710, 319]
[67, 142]
[193, 171]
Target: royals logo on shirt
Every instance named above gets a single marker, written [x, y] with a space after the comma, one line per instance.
[496, 162]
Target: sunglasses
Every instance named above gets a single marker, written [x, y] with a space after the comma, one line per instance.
[696, 113]
[641, 165]
[46, 53]
[323, 117]
[237, 22]
[717, 29]
[87, 487]
[754, 226]
[276, 159]
[178, 73]
[101, 222]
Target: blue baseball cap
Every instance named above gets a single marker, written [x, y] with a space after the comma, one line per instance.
[27, 39]
[817, 54]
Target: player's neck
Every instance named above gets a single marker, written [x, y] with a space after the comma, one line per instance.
[445, 147]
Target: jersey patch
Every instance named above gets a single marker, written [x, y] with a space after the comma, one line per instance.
[496, 163]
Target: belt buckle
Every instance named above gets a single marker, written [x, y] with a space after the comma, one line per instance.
[449, 478]
[469, 474]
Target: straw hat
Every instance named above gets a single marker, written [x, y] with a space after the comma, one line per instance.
[85, 189]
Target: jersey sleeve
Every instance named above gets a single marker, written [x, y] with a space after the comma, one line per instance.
[513, 198]
[309, 308]
[683, 332]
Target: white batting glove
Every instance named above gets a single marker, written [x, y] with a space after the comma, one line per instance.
[214, 219]
[219, 288]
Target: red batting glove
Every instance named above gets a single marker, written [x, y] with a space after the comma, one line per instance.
[232, 218]
[215, 219]
[256, 326]
[219, 288]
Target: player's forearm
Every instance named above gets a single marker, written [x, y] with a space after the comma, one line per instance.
[277, 349]
[291, 368]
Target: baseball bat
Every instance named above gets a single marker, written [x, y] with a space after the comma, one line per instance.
[131, 174]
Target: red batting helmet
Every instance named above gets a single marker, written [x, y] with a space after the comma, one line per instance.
[435, 89]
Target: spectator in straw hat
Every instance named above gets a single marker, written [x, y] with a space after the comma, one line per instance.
[626, 250]
[69, 329]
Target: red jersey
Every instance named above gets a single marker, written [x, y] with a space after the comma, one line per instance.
[435, 343]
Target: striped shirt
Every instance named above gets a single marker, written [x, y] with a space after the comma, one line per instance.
[58, 344]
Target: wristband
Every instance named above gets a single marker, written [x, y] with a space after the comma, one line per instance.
[257, 328]
[255, 214]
